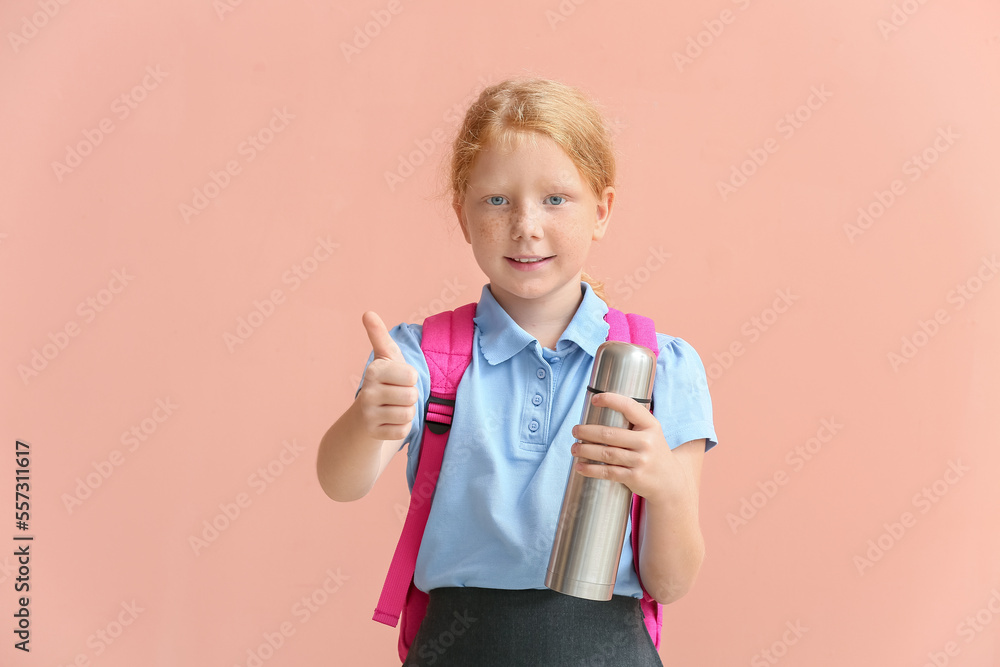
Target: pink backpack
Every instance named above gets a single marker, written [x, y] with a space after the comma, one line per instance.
[447, 346]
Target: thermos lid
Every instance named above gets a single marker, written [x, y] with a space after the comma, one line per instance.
[624, 368]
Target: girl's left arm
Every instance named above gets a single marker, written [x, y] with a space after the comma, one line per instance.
[671, 546]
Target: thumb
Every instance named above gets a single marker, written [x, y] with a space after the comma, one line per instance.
[383, 345]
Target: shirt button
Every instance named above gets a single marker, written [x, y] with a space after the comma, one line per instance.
[554, 360]
[540, 373]
[537, 399]
[533, 426]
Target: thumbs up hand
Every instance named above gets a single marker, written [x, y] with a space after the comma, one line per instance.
[388, 396]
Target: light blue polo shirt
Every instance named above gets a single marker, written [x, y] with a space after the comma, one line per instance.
[493, 518]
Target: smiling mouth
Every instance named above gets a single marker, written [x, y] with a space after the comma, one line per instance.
[529, 260]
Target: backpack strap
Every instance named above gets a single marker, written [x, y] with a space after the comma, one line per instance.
[446, 342]
[640, 330]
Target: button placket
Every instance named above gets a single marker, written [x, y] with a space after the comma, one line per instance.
[533, 428]
[537, 417]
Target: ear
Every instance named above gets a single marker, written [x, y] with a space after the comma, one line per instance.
[460, 213]
[604, 205]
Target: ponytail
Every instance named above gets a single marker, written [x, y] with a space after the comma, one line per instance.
[595, 285]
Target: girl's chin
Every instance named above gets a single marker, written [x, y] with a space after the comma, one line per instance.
[527, 290]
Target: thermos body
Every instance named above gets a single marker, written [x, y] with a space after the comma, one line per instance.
[591, 530]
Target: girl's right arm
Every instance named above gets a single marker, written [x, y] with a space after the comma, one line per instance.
[360, 444]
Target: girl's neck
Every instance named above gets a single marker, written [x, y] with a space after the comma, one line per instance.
[545, 318]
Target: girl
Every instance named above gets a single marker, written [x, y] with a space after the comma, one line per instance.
[532, 179]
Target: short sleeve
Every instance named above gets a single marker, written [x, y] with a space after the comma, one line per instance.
[408, 337]
[681, 400]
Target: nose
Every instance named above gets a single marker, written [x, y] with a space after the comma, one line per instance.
[526, 222]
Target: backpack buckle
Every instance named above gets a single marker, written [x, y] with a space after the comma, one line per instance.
[438, 413]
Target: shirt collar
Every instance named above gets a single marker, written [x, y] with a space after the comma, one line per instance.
[500, 337]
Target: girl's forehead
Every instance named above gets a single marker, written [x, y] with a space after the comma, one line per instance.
[543, 149]
[495, 170]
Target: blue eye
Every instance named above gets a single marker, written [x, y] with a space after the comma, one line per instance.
[561, 199]
[494, 200]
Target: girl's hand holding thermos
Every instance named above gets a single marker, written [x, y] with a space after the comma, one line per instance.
[388, 397]
[639, 457]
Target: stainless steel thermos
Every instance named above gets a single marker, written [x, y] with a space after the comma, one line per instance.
[594, 515]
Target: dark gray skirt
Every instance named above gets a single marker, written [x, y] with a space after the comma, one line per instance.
[487, 627]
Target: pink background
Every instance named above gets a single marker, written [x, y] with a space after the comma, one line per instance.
[889, 92]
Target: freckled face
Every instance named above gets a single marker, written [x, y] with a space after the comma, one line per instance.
[531, 218]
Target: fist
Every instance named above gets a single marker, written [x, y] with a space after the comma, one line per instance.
[388, 396]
